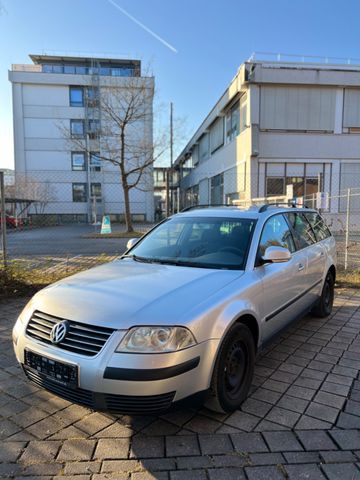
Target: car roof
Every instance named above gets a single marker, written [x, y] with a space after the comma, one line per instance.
[253, 212]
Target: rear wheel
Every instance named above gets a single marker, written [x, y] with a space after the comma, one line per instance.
[325, 304]
[233, 371]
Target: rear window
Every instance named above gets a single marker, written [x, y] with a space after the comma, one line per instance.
[318, 225]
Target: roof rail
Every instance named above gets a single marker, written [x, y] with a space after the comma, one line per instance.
[265, 207]
[193, 207]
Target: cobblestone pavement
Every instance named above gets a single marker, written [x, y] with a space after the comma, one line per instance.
[301, 420]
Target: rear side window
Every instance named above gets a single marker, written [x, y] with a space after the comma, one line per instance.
[318, 225]
[303, 234]
[276, 232]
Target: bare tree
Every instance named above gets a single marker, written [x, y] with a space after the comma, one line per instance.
[125, 134]
[29, 189]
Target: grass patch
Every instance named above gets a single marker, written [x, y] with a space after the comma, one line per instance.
[23, 278]
[348, 278]
[114, 235]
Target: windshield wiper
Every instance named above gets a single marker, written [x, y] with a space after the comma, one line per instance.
[138, 259]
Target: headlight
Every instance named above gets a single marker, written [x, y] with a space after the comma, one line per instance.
[156, 339]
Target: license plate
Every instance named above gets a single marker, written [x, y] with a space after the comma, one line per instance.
[61, 373]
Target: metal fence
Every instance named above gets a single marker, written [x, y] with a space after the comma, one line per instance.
[52, 225]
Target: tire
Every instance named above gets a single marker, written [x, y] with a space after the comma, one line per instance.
[233, 371]
[324, 306]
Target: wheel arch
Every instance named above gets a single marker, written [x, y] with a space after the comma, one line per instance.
[332, 270]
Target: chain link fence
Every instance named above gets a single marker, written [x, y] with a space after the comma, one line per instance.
[52, 225]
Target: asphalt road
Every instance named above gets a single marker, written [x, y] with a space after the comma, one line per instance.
[61, 241]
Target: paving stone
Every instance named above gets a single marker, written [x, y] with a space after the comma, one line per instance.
[77, 468]
[193, 462]
[308, 382]
[177, 446]
[310, 423]
[345, 471]
[29, 416]
[266, 458]
[335, 388]
[215, 444]
[7, 428]
[242, 420]
[78, 449]
[143, 476]
[346, 439]
[109, 476]
[338, 456]
[304, 471]
[322, 412]
[255, 407]
[249, 442]
[302, 457]
[93, 423]
[46, 427]
[231, 460]
[110, 466]
[188, 475]
[10, 451]
[266, 426]
[282, 441]
[316, 440]
[41, 469]
[157, 464]
[283, 416]
[339, 379]
[346, 371]
[112, 448]
[201, 424]
[147, 447]
[352, 407]
[264, 473]
[292, 403]
[40, 451]
[265, 395]
[346, 420]
[160, 427]
[226, 474]
[301, 392]
[276, 386]
[329, 399]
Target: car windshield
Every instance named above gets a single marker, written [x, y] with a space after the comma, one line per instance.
[197, 242]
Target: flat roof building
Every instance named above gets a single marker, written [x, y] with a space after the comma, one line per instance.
[279, 128]
[59, 94]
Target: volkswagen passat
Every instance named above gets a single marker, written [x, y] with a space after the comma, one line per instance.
[182, 314]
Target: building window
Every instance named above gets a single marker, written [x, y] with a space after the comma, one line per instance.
[96, 191]
[77, 128]
[76, 96]
[217, 190]
[204, 147]
[217, 134]
[78, 161]
[95, 162]
[243, 113]
[233, 122]
[275, 186]
[79, 192]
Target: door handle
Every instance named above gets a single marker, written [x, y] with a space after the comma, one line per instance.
[301, 267]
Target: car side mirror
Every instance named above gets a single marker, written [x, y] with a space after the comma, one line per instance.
[131, 242]
[276, 255]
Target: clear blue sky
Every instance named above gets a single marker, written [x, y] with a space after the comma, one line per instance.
[212, 38]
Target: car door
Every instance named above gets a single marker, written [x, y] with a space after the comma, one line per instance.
[314, 255]
[281, 282]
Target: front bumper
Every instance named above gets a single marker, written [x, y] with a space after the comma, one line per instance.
[125, 383]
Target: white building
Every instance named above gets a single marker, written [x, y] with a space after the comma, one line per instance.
[278, 124]
[55, 95]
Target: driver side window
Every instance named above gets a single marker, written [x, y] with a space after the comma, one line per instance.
[276, 232]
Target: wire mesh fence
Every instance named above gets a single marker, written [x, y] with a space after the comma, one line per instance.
[52, 221]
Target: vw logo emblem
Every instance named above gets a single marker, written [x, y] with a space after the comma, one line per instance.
[59, 332]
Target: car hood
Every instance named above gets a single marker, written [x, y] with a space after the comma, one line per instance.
[125, 293]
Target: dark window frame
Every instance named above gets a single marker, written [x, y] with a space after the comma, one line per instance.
[76, 103]
[74, 184]
[72, 162]
[74, 121]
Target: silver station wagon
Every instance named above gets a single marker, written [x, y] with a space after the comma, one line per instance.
[181, 316]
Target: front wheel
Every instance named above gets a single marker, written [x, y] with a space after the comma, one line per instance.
[325, 304]
[233, 371]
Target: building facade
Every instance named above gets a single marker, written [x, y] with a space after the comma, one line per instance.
[59, 137]
[278, 126]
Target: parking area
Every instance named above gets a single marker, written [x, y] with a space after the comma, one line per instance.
[300, 421]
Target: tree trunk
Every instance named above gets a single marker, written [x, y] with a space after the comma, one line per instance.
[128, 220]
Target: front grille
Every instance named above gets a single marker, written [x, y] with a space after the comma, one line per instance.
[81, 338]
[138, 405]
[126, 404]
[76, 395]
